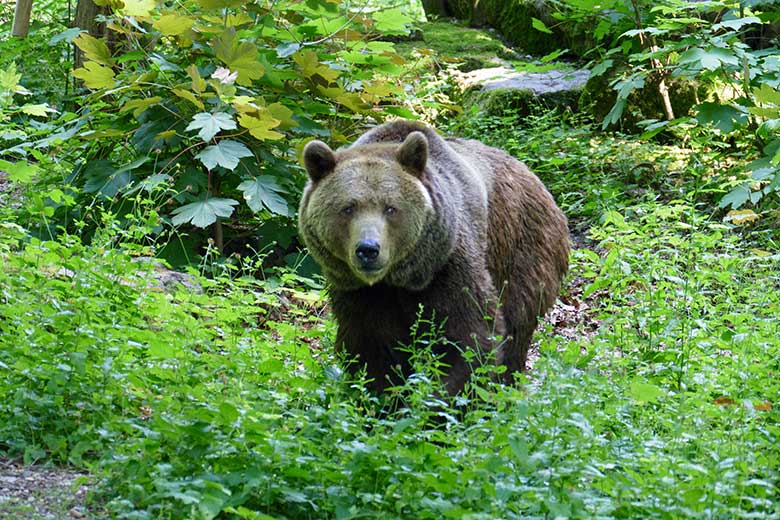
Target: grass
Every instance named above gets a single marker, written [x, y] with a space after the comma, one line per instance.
[190, 405]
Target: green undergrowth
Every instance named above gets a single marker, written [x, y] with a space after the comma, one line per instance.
[591, 172]
[231, 404]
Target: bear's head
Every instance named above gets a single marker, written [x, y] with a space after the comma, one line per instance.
[365, 207]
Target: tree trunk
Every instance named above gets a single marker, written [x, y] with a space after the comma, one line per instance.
[22, 18]
[655, 63]
[86, 12]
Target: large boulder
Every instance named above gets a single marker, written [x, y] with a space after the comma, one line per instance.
[495, 90]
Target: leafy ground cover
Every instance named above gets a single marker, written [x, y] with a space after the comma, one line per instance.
[190, 405]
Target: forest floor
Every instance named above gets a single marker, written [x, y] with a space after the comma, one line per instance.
[41, 493]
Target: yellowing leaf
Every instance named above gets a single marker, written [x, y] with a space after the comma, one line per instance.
[9, 78]
[173, 24]
[138, 8]
[198, 83]
[95, 76]
[742, 216]
[760, 253]
[311, 66]
[37, 110]
[94, 49]
[239, 57]
[395, 59]
[189, 96]
[260, 127]
[381, 89]
[165, 134]
[348, 35]
[243, 103]
[139, 105]
[354, 102]
[237, 20]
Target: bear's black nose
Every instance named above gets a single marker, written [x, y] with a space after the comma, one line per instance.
[367, 252]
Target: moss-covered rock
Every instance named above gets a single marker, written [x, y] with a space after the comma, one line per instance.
[496, 91]
[513, 19]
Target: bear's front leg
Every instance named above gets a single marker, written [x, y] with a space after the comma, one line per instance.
[372, 323]
[462, 295]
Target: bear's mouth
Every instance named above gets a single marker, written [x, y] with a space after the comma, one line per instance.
[369, 274]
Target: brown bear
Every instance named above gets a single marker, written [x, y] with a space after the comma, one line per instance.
[405, 221]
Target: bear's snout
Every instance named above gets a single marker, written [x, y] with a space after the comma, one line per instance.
[367, 253]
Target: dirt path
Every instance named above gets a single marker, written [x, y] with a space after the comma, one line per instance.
[42, 493]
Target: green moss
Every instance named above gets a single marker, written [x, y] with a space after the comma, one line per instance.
[471, 48]
[513, 20]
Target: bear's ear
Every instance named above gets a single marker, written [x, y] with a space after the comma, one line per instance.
[413, 153]
[319, 159]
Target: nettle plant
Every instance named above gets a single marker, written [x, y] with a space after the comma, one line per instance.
[720, 50]
[212, 98]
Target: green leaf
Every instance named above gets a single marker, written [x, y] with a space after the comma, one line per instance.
[766, 94]
[67, 35]
[248, 514]
[614, 114]
[94, 49]
[203, 213]
[601, 68]
[95, 76]
[287, 49]
[104, 179]
[264, 192]
[736, 197]
[310, 63]
[220, 4]
[20, 171]
[283, 114]
[710, 59]
[189, 96]
[723, 117]
[539, 26]
[226, 153]
[736, 24]
[138, 106]
[391, 21]
[211, 124]
[645, 392]
[239, 57]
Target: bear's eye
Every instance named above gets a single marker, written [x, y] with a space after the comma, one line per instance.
[348, 210]
[390, 211]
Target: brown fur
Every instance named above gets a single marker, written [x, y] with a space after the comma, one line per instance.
[475, 234]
